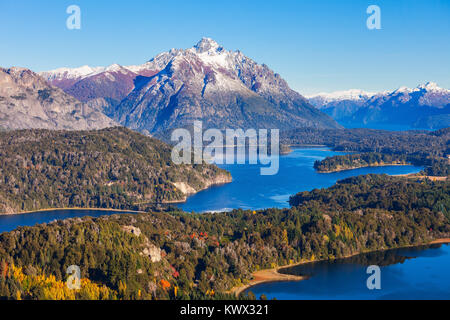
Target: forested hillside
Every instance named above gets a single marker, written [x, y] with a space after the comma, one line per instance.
[380, 192]
[179, 255]
[111, 168]
[378, 147]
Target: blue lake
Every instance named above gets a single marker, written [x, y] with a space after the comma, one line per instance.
[250, 190]
[11, 222]
[413, 273]
[406, 273]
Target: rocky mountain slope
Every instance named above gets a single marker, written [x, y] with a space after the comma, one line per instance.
[426, 106]
[101, 88]
[206, 82]
[28, 101]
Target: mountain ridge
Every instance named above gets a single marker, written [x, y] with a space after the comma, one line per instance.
[27, 101]
[426, 106]
[206, 82]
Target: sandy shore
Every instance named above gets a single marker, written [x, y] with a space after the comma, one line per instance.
[440, 241]
[267, 275]
[273, 275]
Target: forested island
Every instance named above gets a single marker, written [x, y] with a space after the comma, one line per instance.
[378, 148]
[114, 168]
[355, 161]
[177, 255]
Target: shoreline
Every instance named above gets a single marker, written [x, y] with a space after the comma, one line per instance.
[274, 275]
[71, 209]
[308, 146]
[369, 166]
[167, 202]
[266, 276]
[187, 195]
[440, 241]
[416, 176]
[288, 148]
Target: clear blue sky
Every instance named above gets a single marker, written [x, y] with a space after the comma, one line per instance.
[315, 45]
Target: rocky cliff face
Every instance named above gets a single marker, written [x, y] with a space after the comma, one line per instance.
[222, 88]
[219, 179]
[28, 101]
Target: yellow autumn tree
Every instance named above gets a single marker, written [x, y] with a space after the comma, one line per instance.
[285, 238]
[52, 289]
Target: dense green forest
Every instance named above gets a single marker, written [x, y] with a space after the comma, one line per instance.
[178, 255]
[352, 161]
[376, 147]
[434, 167]
[112, 168]
[379, 192]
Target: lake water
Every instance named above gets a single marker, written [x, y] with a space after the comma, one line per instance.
[250, 190]
[406, 273]
[11, 222]
[412, 273]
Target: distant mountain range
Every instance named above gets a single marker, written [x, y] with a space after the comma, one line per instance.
[224, 89]
[28, 101]
[426, 106]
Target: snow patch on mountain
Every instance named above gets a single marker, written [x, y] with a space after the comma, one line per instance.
[324, 98]
[425, 106]
[71, 73]
[352, 94]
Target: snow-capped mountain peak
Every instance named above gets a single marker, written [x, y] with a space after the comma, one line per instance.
[431, 86]
[428, 87]
[114, 68]
[425, 106]
[352, 94]
[207, 45]
[80, 72]
[207, 50]
[402, 90]
[71, 73]
[222, 87]
[357, 94]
